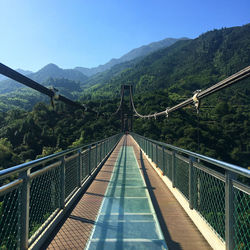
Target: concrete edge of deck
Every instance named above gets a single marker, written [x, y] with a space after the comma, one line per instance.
[41, 239]
[214, 241]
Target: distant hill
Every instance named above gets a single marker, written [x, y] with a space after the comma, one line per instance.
[53, 71]
[41, 76]
[183, 67]
[24, 72]
[133, 54]
[80, 74]
[25, 98]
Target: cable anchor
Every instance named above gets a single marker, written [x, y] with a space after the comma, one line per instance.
[166, 111]
[196, 100]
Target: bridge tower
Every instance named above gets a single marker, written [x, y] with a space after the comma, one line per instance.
[126, 109]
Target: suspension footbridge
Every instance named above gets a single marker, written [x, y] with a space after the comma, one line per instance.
[125, 192]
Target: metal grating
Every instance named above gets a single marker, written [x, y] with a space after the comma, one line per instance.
[85, 164]
[160, 158]
[182, 176]
[168, 162]
[209, 200]
[9, 217]
[44, 198]
[39, 190]
[241, 219]
[71, 174]
[204, 187]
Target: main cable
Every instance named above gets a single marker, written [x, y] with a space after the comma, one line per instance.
[240, 75]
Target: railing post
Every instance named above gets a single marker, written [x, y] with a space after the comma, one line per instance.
[229, 209]
[89, 161]
[62, 183]
[191, 183]
[24, 212]
[173, 169]
[79, 167]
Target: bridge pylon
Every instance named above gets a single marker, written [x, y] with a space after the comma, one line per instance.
[126, 110]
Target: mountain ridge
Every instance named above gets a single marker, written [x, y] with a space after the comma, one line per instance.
[141, 51]
[185, 66]
[41, 76]
[81, 74]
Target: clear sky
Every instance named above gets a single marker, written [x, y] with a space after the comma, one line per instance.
[87, 33]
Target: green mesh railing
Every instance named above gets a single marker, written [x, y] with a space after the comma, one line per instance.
[33, 193]
[241, 217]
[213, 188]
[10, 217]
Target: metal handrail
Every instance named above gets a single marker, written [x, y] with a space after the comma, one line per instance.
[226, 166]
[29, 195]
[220, 198]
[24, 166]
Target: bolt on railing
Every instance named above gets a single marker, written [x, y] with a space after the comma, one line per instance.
[218, 191]
[33, 193]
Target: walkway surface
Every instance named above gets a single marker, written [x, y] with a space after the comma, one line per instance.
[116, 211]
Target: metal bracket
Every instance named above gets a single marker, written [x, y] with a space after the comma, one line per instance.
[196, 100]
[166, 111]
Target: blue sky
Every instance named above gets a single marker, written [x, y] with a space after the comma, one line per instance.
[87, 33]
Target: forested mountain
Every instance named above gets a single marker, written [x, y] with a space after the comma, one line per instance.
[162, 79]
[53, 71]
[24, 72]
[133, 54]
[15, 95]
[43, 75]
[79, 74]
[183, 67]
[25, 98]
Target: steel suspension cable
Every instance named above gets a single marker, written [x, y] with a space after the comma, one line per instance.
[240, 75]
[121, 101]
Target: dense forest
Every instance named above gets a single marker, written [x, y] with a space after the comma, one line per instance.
[32, 128]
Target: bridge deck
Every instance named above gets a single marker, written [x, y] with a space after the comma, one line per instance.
[87, 221]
